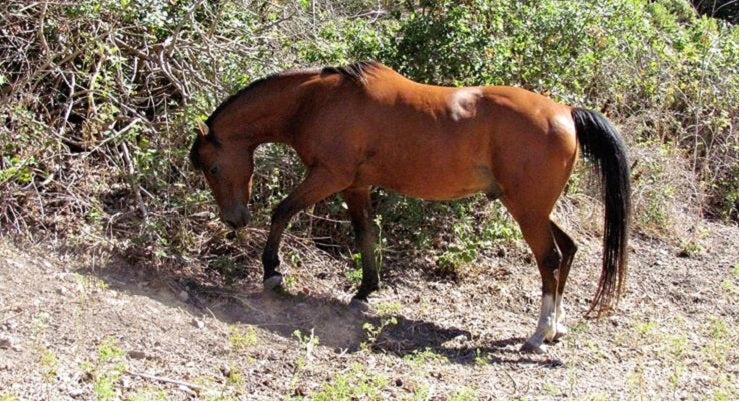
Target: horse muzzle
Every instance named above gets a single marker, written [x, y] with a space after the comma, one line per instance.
[237, 217]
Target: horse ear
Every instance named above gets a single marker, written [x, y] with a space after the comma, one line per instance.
[202, 128]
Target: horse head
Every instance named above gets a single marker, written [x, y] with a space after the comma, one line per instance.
[228, 169]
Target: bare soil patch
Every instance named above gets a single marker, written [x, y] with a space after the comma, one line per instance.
[99, 328]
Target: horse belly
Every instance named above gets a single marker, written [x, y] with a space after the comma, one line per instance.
[438, 154]
[434, 179]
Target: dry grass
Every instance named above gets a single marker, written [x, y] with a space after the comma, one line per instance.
[113, 330]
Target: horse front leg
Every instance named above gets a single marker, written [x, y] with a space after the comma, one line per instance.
[318, 184]
[358, 204]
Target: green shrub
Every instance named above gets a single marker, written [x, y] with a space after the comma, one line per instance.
[658, 61]
[101, 98]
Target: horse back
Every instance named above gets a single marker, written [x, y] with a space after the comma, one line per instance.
[432, 142]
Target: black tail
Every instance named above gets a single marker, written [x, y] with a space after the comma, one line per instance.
[602, 145]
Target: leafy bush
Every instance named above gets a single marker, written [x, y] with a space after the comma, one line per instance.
[656, 60]
[100, 98]
[100, 101]
[656, 66]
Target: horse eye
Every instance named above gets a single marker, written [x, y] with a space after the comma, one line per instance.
[213, 170]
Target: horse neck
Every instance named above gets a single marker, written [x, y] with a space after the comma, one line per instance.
[263, 115]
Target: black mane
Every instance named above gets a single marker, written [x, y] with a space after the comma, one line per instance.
[236, 96]
[194, 160]
[355, 71]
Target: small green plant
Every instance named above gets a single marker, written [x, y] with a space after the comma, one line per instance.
[105, 386]
[728, 285]
[723, 395]
[106, 370]
[226, 266]
[481, 359]
[18, 170]
[233, 386]
[573, 380]
[40, 323]
[90, 284]
[289, 283]
[676, 374]
[373, 332]
[213, 387]
[646, 328]
[464, 394]
[677, 345]
[421, 358]
[109, 350]
[597, 396]
[387, 312]
[109, 370]
[49, 362]
[294, 258]
[356, 384]
[242, 338]
[308, 342]
[355, 275]
[149, 393]
[718, 328]
[636, 383]
[388, 309]
[691, 248]
[551, 389]
[458, 255]
[421, 391]
[716, 349]
[580, 327]
[235, 378]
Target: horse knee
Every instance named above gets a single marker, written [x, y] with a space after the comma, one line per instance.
[284, 209]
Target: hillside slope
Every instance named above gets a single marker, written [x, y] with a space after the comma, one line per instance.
[99, 328]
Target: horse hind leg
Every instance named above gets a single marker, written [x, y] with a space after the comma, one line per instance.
[539, 237]
[358, 204]
[568, 249]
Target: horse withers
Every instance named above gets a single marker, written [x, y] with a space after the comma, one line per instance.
[365, 125]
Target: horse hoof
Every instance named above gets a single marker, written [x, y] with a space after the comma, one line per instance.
[359, 305]
[530, 347]
[561, 331]
[273, 282]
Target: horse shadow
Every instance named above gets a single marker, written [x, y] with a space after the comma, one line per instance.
[337, 325]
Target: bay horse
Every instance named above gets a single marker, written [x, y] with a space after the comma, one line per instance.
[365, 125]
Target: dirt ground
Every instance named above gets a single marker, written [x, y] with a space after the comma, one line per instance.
[102, 329]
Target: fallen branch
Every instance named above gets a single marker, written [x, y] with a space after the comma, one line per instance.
[165, 380]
